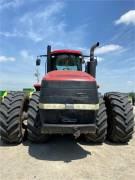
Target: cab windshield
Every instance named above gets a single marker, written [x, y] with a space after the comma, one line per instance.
[67, 62]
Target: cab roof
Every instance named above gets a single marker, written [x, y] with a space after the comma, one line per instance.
[67, 51]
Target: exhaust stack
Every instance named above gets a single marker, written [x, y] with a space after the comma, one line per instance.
[92, 51]
[48, 58]
[93, 62]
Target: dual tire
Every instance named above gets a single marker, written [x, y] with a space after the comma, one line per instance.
[115, 119]
[12, 113]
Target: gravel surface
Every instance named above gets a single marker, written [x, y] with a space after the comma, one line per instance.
[63, 158]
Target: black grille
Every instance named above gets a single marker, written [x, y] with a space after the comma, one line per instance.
[69, 92]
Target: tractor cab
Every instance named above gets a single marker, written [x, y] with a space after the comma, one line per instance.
[66, 60]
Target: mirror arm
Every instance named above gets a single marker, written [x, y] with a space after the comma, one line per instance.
[86, 56]
[42, 55]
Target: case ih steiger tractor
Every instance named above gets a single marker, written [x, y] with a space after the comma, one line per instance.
[67, 102]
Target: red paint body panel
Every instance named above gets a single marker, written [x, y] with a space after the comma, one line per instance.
[67, 51]
[68, 76]
[37, 87]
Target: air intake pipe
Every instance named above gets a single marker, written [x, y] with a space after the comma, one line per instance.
[48, 58]
[93, 63]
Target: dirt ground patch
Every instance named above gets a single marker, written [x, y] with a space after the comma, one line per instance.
[63, 158]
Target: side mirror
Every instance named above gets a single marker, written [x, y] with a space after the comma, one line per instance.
[83, 62]
[38, 62]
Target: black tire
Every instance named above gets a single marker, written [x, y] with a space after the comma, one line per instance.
[11, 111]
[101, 123]
[120, 117]
[33, 126]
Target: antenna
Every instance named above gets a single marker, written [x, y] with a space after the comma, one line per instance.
[37, 75]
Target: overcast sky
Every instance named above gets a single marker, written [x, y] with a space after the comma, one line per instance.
[26, 27]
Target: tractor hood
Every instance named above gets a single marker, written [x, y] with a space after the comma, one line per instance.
[68, 87]
[64, 75]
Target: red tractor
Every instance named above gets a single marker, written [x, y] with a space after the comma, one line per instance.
[67, 102]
